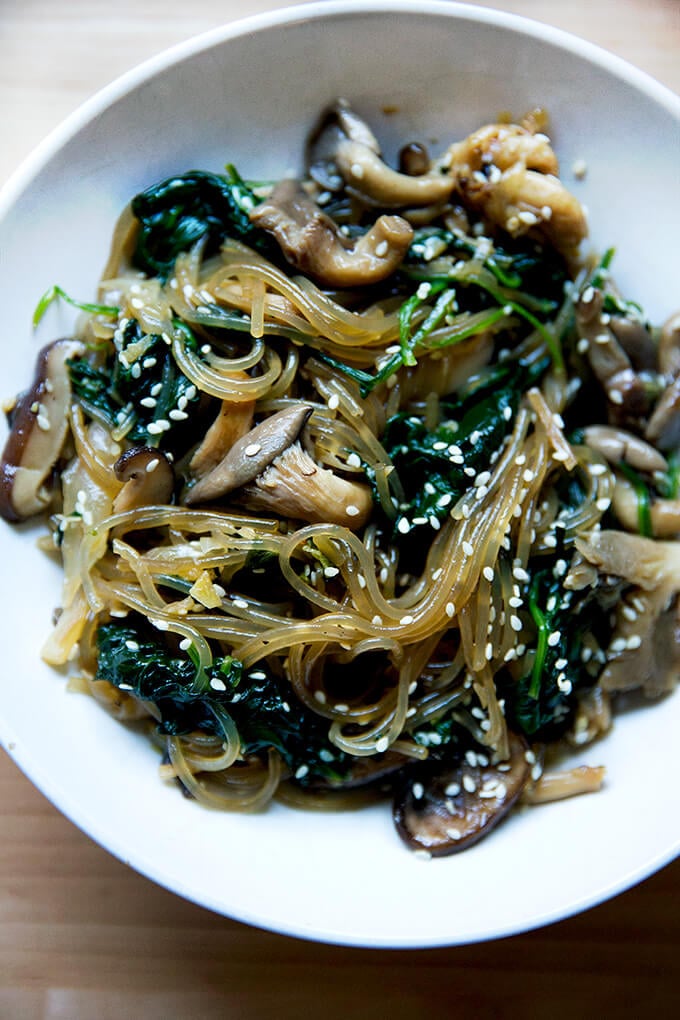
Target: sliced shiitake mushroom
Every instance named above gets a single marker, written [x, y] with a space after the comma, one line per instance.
[444, 809]
[39, 429]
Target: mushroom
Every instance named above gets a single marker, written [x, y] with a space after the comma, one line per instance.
[233, 421]
[443, 809]
[663, 427]
[636, 340]
[617, 445]
[370, 179]
[344, 150]
[271, 471]
[311, 242]
[147, 476]
[39, 430]
[644, 651]
[628, 392]
[252, 454]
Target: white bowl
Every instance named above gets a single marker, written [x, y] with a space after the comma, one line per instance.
[247, 94]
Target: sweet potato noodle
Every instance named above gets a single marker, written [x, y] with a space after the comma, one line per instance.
[367, 482]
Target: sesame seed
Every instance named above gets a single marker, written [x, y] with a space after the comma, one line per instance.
[377, 620]
[330, 571]
[450, 609]
[405, 620]
[357, 170]
[583, 345]
[633, 642]
[152, 465]
[239, 603]
[252, 449]
[488, 573]
[452, 790]
[132, 645]
[488, 651]
[156, 389]
[354, 460]
[301, 772]
[560, 568]
[352, 511]
[417, 789]
[528, 475]
[185, 644]
[43, 423]
[603, 504]
[381, 745]
[403, 526]
[469, 784]
[515, 623]
[554, 638]
[561, 664]
[136, 370]
[177, 415]
[616, 396]
[468, 548]
[527, 218]
[148, 401]
[629, 613]
[520, 573]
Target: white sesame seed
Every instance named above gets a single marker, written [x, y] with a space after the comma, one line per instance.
[405, 620]
[217, 684]
[352, 511]
[488, 573]
[417, 789]
[239, 603]
[320, 697]
[603, 504]
[185, 644]
[450, 609]
[152, 465]
[301, 772]
[354, 460]
[468, 549]
[357, 170]
[148, 401]
[377, 620]
[330, 571]
[554, 638]
[633, 642]
[381, 744]
[252, 449]
[43, 423]
[488, 651]
[177, 415]
[616, 396]
[515, 623]
[528, 475]
[403, 526]
[520, 573]
[469, 784]
[452, 790]
[133, 646]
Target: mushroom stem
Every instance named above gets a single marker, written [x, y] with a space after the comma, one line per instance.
[147, 476]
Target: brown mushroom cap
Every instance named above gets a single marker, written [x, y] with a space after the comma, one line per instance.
[447, 809]
[39, 429]
[148, 478]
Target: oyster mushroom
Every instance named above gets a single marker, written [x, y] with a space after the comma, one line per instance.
[233, 421]
[663, 427]
[147, 476]
[617, 445]
[310, 240]
[628, 392]
[645, 648]
[343, 150]
[269, 470]
[443, 810]
[39, 430]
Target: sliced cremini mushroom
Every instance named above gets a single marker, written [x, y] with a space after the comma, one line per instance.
[311, 242]
[445, 809]
[233, 421]
[39, 430]
[147, 476]
[251, 454]
[618, 445]
[337, 123]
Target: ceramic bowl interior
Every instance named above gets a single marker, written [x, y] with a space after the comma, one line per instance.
[247, 94]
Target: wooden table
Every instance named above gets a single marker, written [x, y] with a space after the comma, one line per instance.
[83, 936]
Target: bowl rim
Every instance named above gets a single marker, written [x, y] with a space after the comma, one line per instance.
[21, 179]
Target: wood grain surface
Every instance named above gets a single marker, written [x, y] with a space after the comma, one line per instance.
[83, 936]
